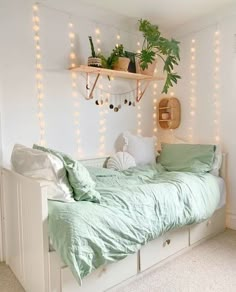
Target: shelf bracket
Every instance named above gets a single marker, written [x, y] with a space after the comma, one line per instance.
[90, 93]
[139, 92]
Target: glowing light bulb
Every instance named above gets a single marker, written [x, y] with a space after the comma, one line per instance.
[35, 7]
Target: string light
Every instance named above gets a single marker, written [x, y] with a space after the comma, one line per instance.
[98, 38]
[139, 112]
[155, 109]
[138, 47]
[74, 85]
[192, 98]
[102, 124]
[39, 75]
[216, 88]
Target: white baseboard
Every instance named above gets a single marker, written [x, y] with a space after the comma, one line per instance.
[231, 221]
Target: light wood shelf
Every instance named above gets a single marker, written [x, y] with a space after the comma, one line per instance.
[164, 107]
[115, 73]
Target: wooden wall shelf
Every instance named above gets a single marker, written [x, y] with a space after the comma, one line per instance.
[169, 107]
[114, 73]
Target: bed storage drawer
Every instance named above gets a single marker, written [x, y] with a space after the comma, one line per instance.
[101, 279]
[163, 247]
[208, 227]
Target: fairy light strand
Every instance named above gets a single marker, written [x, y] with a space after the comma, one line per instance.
[216, 91]
[102, 96]
[139, 113]
[39, 75]
[98, 39]
[102, 122]
[74, 85]
[171, 136]
[192, 98]
[118, 39]
[155, 109]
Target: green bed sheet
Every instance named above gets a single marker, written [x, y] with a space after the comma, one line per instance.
[137, 205]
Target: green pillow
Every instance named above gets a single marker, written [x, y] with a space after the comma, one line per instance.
[79, 178]
[187, 157]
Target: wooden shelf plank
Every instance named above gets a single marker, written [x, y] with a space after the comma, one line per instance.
[164, 107]
[115, 73]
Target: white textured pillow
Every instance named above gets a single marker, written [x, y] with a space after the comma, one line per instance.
[143, 149]
[44, 167]
[121, 161]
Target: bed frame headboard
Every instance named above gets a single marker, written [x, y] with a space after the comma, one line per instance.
[95, 162]
[101, 162]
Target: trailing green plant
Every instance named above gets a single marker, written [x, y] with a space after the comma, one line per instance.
[154, 45]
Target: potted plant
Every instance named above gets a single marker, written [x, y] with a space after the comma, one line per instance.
[122, 62]
[155, 45]
[132, 65]
[118, 59]
[94, 60]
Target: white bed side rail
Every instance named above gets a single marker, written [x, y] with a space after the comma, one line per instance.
[25, 225]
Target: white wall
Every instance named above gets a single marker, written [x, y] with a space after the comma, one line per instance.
[203, 127]
[19, 104]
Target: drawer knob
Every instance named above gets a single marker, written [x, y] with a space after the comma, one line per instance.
[208, 222]
[167, 242]
[104, 269]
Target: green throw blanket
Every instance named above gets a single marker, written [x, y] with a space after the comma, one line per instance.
[137, 205]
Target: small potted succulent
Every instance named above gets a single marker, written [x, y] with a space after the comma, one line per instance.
[94, 60]
[155, 45]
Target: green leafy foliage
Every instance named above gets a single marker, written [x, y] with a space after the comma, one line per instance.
[93, 54]
[156, 45]
[117, 52]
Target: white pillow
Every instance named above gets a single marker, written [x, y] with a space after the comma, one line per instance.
[121, 161]
[143, 149]
[44, 167]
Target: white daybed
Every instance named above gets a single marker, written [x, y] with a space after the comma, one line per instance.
[39, 269]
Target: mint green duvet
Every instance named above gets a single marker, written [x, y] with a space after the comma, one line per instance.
[137, 205]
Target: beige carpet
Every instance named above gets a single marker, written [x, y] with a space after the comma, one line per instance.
[209, 267]
[8, 282]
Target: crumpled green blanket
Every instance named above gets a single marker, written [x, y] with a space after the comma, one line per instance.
[137, 206]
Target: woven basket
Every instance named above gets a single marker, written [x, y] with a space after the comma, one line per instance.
[122, 64]
[94, 62]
